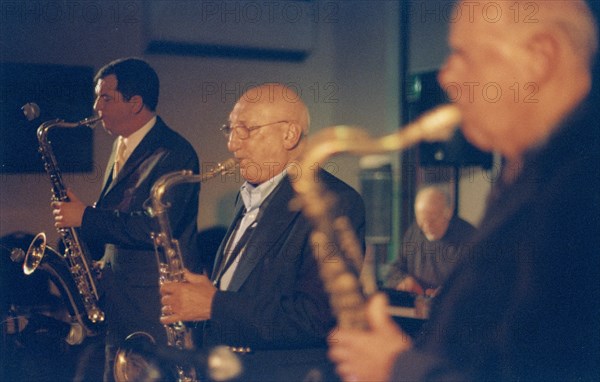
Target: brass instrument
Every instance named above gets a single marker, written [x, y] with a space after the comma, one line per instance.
[84, 297]
[339, 270]
[129, 365]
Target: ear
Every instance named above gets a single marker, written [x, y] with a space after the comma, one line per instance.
[544, 51]
[292, 136]
[137, 104]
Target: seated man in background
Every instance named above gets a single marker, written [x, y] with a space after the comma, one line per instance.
[525, 306]
[265, 292]
[431, 246]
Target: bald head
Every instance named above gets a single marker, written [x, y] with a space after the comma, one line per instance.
[432, 195]
[432, 212]
[269, 124]
[518, 68]
[572, 19]
[280, 102]
[575, 20]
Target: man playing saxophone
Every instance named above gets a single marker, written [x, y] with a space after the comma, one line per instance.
[265, 294]
[117, 228]
[524, 306]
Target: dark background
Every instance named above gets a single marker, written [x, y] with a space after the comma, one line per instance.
[60, 92]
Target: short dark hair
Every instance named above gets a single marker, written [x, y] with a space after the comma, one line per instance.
[134, 77]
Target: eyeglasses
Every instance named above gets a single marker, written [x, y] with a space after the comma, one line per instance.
[242, 131]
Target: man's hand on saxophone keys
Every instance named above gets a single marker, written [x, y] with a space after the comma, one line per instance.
[368, 355]
[187, 301]
[68, 214]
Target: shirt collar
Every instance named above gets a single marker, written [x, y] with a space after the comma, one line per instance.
[132, 141]
[253, 196]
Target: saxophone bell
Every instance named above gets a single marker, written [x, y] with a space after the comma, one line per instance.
[141, 360]
[35, 253]
[39, 255]
[132, 361]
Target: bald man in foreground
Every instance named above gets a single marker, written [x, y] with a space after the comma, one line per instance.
[265, 292]
[526, 305]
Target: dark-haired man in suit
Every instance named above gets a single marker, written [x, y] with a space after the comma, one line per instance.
[117, 228]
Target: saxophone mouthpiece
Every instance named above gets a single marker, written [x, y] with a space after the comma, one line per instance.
[31, 110]
[228, 165]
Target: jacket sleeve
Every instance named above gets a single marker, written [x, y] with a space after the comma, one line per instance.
[131, 229]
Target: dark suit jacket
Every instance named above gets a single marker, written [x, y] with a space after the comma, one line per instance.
[118, 228]
[276, 299]
[526, 306]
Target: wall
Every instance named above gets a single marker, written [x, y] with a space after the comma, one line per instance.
[350, 75]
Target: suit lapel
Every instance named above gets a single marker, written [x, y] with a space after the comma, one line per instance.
[274, 222]
[146, 147]
[108, 172]
[223, 246]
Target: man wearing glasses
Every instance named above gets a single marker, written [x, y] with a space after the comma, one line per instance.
[265, 293]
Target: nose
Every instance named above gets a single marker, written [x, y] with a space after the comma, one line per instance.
[442, 76]
[447, 79]
[97, 106]
[233, 142]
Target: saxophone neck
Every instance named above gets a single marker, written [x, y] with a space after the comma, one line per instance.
[44, 128]
[162, 185]
[168, 181]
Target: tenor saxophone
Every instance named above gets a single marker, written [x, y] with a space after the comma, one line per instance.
[76, 258]
[339, 273]
[171, 267]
